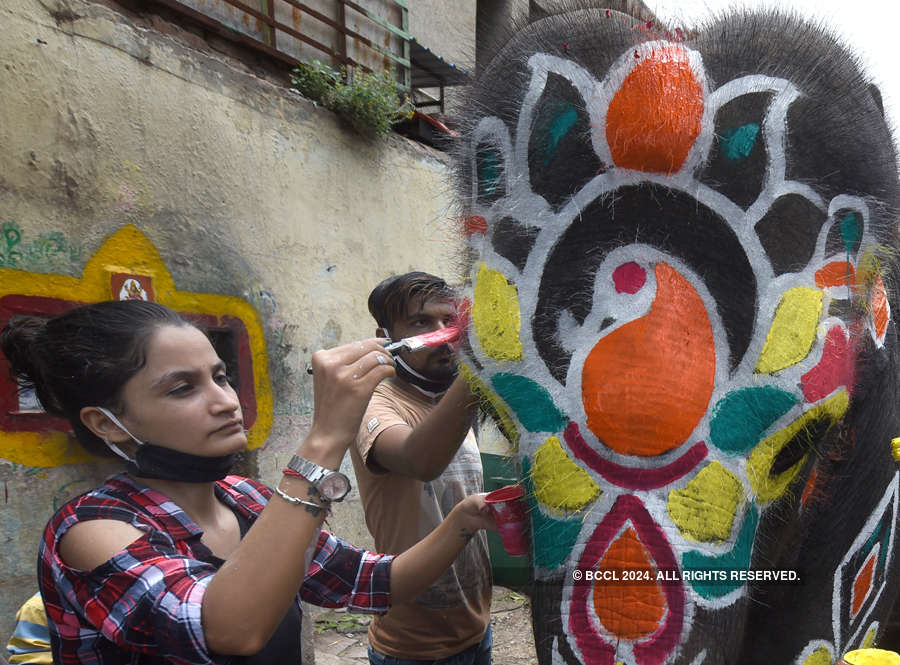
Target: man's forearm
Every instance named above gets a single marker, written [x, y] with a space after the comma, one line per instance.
[425, 451]
[436, 439]
[413, 571]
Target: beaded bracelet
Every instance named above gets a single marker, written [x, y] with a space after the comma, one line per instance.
[294, 500]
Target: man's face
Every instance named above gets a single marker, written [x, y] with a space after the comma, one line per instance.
[422, 316]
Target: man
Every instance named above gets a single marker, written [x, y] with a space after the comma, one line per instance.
[415, 458]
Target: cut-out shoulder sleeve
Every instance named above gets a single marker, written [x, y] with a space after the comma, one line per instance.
[147, 597]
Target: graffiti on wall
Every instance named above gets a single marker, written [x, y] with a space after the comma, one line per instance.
[126, 266]
[47, 252]
[664, 319]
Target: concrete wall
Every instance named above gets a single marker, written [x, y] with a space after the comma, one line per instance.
[447, 28]
[245, 190]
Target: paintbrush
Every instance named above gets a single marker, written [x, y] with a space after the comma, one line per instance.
[431, 339]
[435, 338]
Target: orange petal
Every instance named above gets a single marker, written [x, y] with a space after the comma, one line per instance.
[473, 224]
[654, 118]
[837, 273]
[880, 312]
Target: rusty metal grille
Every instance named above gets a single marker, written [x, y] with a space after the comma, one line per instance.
[370, 34]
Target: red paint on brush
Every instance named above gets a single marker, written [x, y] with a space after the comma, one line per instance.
[435, 338]
[439, 337]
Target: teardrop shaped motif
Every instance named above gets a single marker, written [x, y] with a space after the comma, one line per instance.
[646, 385]
[654, 118]
[653, 634]
[629, 611]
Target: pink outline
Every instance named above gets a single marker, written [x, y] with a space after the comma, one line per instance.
[649, 651]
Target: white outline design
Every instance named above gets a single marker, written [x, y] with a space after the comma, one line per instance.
[890, 497]
[530, 209]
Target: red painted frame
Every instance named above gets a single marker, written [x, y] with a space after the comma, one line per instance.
[11, 420]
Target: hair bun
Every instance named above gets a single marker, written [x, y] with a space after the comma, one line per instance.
[20, 341]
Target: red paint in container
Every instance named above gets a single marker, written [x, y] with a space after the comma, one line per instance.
[508, 507]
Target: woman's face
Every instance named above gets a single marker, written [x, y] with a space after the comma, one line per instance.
[181, 398]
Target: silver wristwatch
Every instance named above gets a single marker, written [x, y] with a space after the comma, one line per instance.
[331, 485]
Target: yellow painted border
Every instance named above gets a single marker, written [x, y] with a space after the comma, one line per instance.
[761, 458]
[493, 404]
[128, 250]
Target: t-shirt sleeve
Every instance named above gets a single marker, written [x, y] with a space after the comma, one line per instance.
[342, 575]
[146, 598]
[30, 641]
[380, 415]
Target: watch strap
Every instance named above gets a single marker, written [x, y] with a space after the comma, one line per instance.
[314, 474]
[309, 470]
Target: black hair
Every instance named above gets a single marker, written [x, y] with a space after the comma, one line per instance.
[390, 300]
[83, 357]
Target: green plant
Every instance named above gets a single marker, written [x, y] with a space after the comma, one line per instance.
[315, 80]
[513, 597]
[371, 102]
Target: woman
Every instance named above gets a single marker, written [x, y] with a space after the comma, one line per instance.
[173, 562]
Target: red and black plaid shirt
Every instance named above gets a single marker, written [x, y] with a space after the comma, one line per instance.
[143, 605]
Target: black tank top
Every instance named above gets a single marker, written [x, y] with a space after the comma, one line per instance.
[284, 647]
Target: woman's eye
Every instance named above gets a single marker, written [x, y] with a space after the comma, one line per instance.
[182, 389]
[221, 379]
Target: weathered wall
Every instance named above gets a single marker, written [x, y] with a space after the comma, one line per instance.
[447, 28]
[244, 188]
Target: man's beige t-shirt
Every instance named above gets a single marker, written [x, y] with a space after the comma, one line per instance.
[454, 612]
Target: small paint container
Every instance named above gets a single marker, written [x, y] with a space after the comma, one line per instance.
[508, 507]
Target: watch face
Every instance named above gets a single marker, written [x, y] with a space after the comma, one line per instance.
[334, 486]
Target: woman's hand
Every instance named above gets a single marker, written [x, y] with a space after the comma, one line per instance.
[343, 380]
[472, 514]
[414, 570]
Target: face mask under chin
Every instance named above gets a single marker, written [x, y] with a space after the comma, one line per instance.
[152, 461]
[426, 386]
[159, 462]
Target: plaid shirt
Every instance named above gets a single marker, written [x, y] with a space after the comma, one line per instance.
[143, 605]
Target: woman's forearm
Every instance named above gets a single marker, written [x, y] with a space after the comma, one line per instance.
[249, 595]
[413, 571]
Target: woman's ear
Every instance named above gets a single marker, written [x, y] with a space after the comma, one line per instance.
[101, 425]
